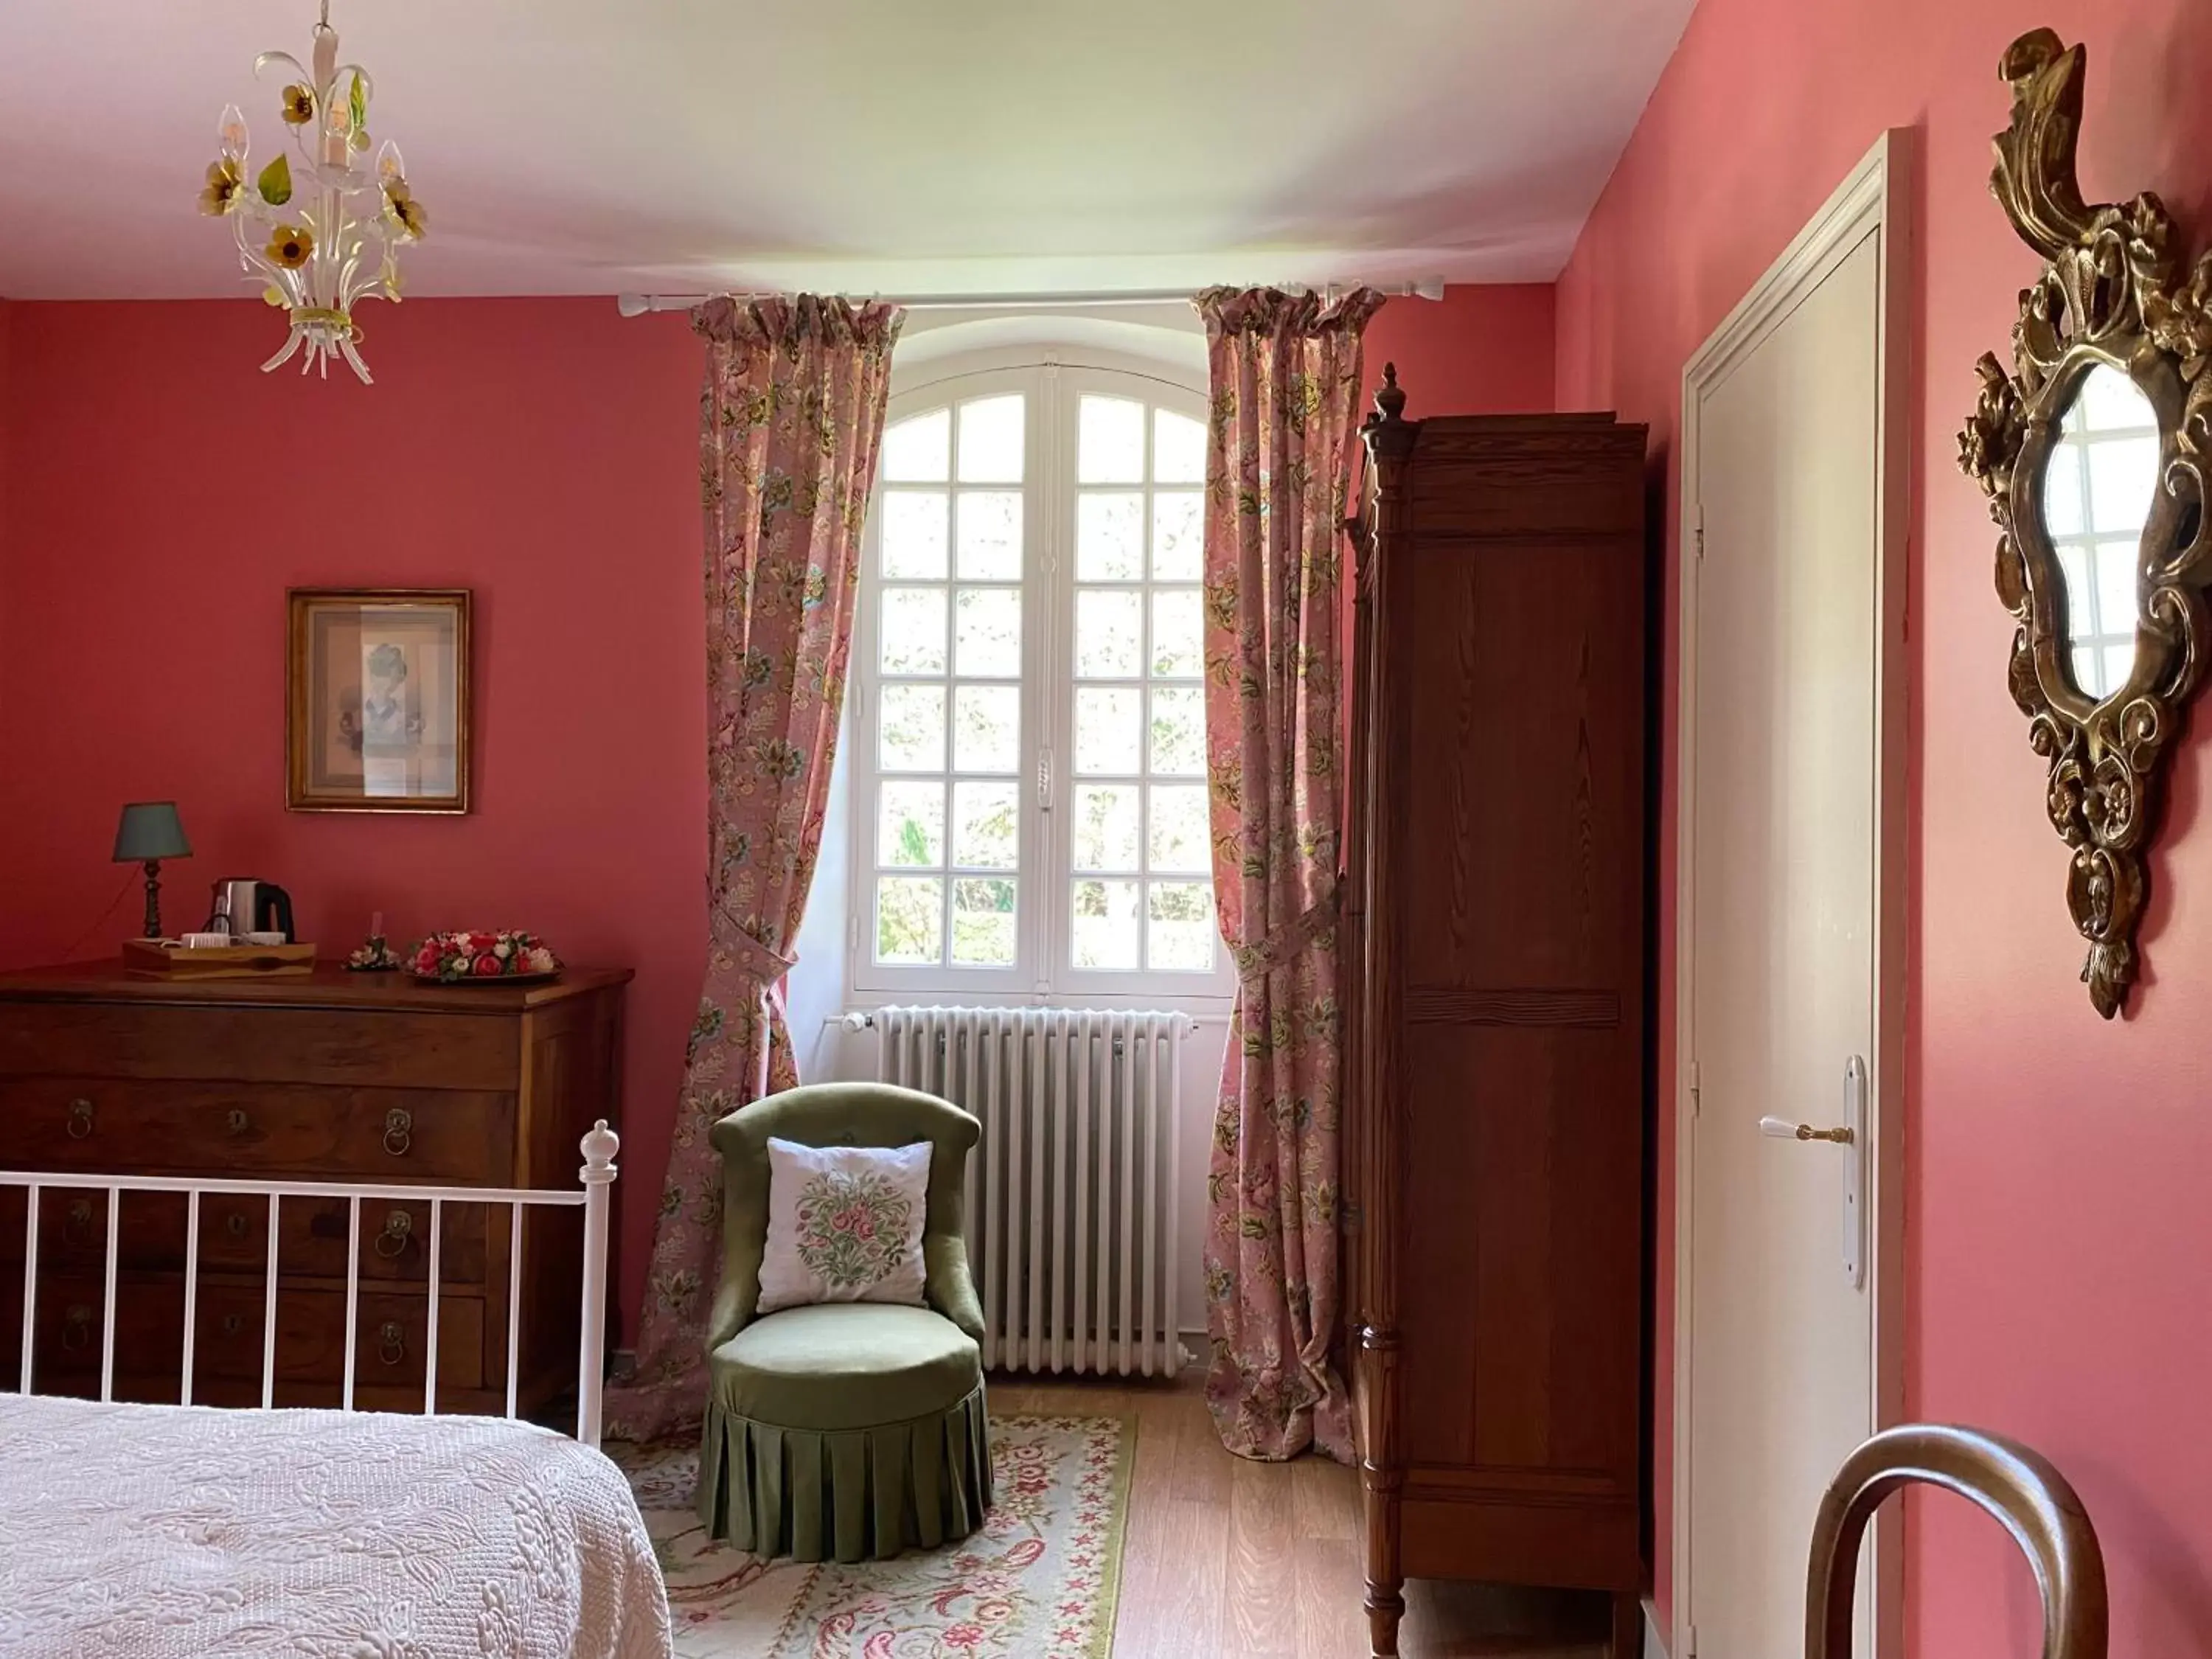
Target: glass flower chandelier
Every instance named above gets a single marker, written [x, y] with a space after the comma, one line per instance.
[317, 229]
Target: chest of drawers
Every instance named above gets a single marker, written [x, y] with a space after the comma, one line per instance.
[333, 1077]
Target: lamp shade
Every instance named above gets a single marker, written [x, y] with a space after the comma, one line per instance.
[150, 829]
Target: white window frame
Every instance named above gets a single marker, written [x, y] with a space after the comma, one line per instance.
[1043, 971]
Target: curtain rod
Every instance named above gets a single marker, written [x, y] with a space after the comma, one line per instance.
[640, 305]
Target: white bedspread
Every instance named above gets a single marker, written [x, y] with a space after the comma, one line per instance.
[166, 1532]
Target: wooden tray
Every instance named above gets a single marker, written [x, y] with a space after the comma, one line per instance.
[149, 958]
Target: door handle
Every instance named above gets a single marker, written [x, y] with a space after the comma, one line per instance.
[1850, 1135]
[1781, 1128]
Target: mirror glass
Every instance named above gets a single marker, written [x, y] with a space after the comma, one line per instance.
[2098, 488]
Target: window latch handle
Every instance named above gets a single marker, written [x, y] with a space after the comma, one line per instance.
[1044, 779]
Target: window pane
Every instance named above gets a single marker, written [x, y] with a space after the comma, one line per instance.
[914, 450]
[914, 534]
[1110, 443]
[2062, 492]
[1106, 826]
[1105, 931]
[986, 728]
[2088, 670]
[1109, 538]
[2111, 401]
[1179, 835]
[1178, 536]
[911, 830]
[2116, 589]
[991, 535]
[1181, 932]
[909, 919]
[1178, 448]
[948, 842]
[983, 923]
[2119, 663]
[2074, 571]
[991, 440]
[1108, 731]
[1109, 635]
[985, 825]
[1179, 731]
[914, 631]
[911, 735]
[2122, 479]
[1178, 634]
[987, 632]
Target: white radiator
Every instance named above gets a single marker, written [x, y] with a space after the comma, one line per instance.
[1071, 1189]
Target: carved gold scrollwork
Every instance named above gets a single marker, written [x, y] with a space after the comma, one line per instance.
[2114, 292]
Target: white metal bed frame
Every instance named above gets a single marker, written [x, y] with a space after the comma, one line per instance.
[593, 1196]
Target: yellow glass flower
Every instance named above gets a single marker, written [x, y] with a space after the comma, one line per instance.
[299, 104]
[225, 179]
[290, 246]
[411, 216]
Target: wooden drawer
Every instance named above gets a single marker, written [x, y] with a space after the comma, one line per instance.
[149, 1326]
[357, 1048]
[234, 1234]
[300, 1079]
[251, 1131]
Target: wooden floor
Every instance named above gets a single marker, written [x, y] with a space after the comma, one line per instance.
[1231, 1560]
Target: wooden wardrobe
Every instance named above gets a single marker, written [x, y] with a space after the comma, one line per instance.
[1495, 1122]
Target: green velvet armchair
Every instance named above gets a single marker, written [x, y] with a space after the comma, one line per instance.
[849, 1430]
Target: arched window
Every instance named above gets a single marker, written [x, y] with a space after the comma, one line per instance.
[1029, 734]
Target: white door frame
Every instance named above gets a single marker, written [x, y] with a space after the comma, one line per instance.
[1873, 202]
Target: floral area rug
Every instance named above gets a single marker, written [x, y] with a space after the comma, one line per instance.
[1040, 1581]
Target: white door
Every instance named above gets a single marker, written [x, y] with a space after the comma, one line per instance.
[1784, 1002]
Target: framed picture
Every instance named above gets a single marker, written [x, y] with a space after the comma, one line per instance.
[377, 711]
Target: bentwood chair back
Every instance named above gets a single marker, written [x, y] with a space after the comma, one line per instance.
[2019, 1488]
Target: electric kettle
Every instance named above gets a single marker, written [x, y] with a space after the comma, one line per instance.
[246, 905]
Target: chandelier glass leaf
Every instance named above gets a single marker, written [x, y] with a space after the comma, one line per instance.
[317, 226]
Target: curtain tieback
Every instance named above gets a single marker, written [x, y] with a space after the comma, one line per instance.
[1256, 962]
[755, 960]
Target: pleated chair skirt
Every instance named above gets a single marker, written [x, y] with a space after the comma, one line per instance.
[846, 1494]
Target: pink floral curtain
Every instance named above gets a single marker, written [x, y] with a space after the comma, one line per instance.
[1286, 388]
[791, 417]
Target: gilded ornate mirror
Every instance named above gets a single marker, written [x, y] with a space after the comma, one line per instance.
[2093, 450]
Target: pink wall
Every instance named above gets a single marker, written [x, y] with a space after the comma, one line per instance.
[2058, 1230]
[154, 506]
[1479, 350]
[160, 494]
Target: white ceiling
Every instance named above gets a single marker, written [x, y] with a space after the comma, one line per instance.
[894, 146]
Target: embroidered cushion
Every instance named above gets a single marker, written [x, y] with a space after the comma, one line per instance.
[844, 1224]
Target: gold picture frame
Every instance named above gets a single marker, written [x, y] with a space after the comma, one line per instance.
[2107, 403]
[376, 715]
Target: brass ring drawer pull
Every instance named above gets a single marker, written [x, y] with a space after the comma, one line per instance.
[80, 1119]
[394, 1348]
[398, 1232]
[240, 1123]
[236, 1223]
[233, 1324]
[77, 1228]
[399, 1131]
[76, 1327]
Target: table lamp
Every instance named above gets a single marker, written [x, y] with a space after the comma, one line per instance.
[150, 831]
